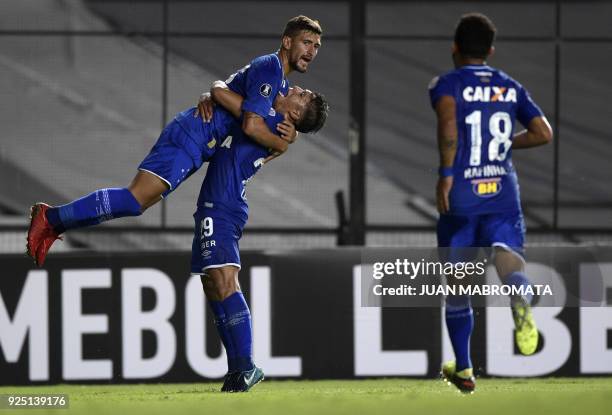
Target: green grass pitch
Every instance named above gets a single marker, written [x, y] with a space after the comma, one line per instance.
[585, 396]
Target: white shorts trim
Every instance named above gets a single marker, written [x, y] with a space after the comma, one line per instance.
[507, 248]
[216, 266]
[158, 176]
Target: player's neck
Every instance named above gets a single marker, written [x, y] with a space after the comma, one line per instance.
[284, 59]
[470, 62]
[280, 104]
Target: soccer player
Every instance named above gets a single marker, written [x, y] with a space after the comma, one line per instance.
[185, 144]
[221, 215]
[477, 192]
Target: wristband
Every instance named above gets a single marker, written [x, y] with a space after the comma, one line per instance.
[445, 171]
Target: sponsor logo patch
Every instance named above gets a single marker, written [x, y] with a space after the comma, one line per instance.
[486, 188]
[489, 94]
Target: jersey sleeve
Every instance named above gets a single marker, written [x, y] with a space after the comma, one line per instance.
[527, 109]
[262, 82]
[439, 87]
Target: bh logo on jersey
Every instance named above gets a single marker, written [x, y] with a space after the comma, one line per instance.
[489, 94]
[486, 188]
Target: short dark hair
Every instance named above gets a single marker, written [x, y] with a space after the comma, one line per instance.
[298, 23]
[474, 35]
[315, 115]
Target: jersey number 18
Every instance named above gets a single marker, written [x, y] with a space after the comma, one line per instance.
[499, 144]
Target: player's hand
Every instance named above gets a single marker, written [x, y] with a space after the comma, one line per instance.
[205, 107]
[442, 192]
[287, 131]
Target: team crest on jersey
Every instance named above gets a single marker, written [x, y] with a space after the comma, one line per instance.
[486, 188]
[265, 90]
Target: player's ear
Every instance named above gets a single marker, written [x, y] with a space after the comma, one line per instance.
[294, 115]
[455, 48]
[286, 42]
[491, 51]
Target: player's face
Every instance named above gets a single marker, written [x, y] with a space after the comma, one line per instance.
[304, 48]
[298, 99]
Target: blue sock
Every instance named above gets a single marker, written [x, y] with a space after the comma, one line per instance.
[95, 208]
[239, 324]
[223, 330]
[460, 323]
[518, 279]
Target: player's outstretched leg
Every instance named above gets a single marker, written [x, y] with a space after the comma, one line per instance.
[460, 323]
[47, 222]
[525, 330]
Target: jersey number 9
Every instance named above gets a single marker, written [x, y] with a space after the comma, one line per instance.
[206, 227]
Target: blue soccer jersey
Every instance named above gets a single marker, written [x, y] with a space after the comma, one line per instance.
[259, 83]
[488, 102]
[222, 207]
[236, 161]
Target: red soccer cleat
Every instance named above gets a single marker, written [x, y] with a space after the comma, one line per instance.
[41, 234]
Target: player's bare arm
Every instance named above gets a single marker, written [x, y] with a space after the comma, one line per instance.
[255, 127]
[287, 129]
[228, 99]
[447, 148]
[538, 133]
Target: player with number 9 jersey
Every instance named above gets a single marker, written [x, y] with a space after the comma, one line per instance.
[488, 103]
[222, 204]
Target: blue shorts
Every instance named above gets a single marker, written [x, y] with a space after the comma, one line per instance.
[170, 158]
[215, 240]
[506, 230]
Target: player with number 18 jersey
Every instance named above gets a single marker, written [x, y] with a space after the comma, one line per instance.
[477, 194]
[488, 104]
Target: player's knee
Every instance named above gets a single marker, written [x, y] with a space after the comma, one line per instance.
[219, 285]
[145, 199]
[507, 262]
[226, 287]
